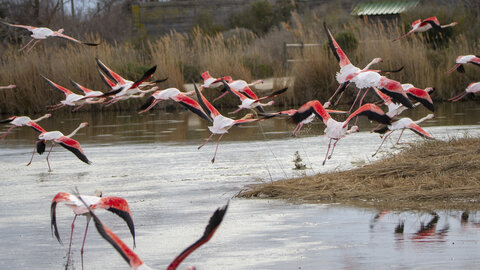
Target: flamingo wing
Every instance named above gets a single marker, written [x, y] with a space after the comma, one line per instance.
[118, 206]
[146, 76]
[206, 105]
[337, 51]
[433, 21]
[386, 99]
[192, 105]
[372, 111]
[36, 127]
[40, 145]
[249, 93]
[74, 147]
[59, 197]
[160, 80]
[421, 96]
[246, 121]
[106, 80]
[420, 131]
[213, 224]
[28, 27]
[58, 87]
[274, 94]
[79, 87]
[110, 73]
[233, 91]
[394, 90]
[313, 106]
[57, 34]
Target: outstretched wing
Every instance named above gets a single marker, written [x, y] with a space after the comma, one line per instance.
[118, 206]
[433, 21]
[206, 105]
[28, 27]
[74, 147]
[57, 34]
[110, 73]
[212, 226]
[59, 197]
[274, 94]
[313, 106]
[36, 127]
[58, 87]
[337, 51]
[372, 111]
[192, 105]
[421, 96]
[146, 76]
[420, 131]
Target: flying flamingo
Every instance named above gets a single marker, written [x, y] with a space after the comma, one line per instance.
[210, 82]
[71, 99]
[11, 86]
[177, 96]
[18, 121]
[248, 103]
[472, 88]
[39, 33]
[424, 25]
[464, 59]
[240, 86]
[420, 95]
[403, 124]
[221, 124]
[292, 112]
[65, 141]
[346, 67]
[91, 96]
[134, 261]
[336, 130]
[116, 205]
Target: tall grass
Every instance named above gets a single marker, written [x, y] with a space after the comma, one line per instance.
[184, 56]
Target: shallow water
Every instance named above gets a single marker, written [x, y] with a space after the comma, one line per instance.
[172, 188]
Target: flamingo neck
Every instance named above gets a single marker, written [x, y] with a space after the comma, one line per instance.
[41, 118]
[423, 119]
[449, 25]
[370, 64]
[75, 131]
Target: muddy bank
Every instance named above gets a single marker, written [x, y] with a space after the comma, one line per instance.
[429, 175]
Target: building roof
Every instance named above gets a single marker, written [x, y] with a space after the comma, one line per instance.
[383, 8]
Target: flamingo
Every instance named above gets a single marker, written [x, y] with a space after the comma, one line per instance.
[242, 87]
[336, 130]
[177, 96]
[71, 99]
[134, 260]
[221, 124]
[18, 121]
[116, 205]
[90, 95]
[124, 89]
[464, 59]
[346, 67]
[403, 124]
[426, 24]
[10, 86]
[420, 95]
[66, 141]
[292, 112]
[248, 103]
[210, 82]
[472, 88]
[39, 33]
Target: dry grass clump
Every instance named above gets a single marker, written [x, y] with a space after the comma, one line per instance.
[434, 174]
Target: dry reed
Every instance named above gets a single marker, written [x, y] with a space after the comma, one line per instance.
[430, 175]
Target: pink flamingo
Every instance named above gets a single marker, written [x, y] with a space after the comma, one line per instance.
[71, 99]
[472, 88]
[420, 95]
[135, 262]
[39, 33]
[116, 205]
[11, 86]
[425, 25]
[221, 124]
[464, 59]
[240, 86]
[248, 103]
[18, 121]
[65, 141]
[210, 82]
[336, 130]
[403, 124]
[91, 96]
[177, 96]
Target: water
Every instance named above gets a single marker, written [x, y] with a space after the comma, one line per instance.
[172, 188]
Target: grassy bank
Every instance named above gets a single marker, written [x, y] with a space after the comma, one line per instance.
[429, 175]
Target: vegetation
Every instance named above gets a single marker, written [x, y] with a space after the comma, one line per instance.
[248, 55]
[428, 175]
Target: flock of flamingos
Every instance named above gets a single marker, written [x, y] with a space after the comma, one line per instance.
[396, 96]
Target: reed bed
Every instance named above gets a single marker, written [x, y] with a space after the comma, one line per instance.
[429, 175]
[184, 56]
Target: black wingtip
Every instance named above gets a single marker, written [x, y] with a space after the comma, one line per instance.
[147, 103]
[160, 80]
[90, 44]
[381, 130]
[40, 146]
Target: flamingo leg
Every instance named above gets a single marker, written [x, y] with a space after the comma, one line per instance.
[151, 106]
[215, 154]
[355, 101]
[400, 136]
[205, 142]
[78, 107]
[26, 45]
[458, 97]
[70, 244]
[8, 131]
[111, 102]
[336, 92]
[84, 238]
[338, 99]
[55, 107]
[237, 110]
[33, 153]
[219, 97]
[333, 148]
[384, 138]
[297, 129]
[33, 45]
[328, 149]
[49, 169]
[360, 105]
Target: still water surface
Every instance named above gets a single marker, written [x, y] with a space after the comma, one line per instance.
[172, 188]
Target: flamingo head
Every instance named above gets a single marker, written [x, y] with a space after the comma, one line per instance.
[48, 115]
[377, 60]
[60, 30]
[11, 86]
[84, 124]
[353, 129]
[429, 116]
[454, 23]
[270, 103]
[98, 193]
[248, 116]
[430, 90]
[327, 104]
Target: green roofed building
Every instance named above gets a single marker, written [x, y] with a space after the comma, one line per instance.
[383, 10]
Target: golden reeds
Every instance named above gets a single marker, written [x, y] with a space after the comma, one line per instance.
[429, 175]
